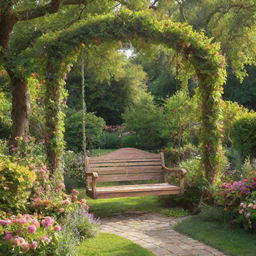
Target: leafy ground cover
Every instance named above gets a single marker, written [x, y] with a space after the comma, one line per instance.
[111, 245]
[235, 242]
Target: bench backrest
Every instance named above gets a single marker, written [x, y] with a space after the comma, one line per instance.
[127, 164]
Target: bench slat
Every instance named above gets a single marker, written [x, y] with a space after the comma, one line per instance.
[124, 160]
[126, 164]
[129, 177]
[125, 171]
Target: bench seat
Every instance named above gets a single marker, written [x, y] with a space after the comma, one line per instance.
[129, 165]
[136, 190]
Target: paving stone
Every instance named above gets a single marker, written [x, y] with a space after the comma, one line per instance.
[154, 232]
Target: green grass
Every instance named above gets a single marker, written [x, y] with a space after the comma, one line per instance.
[117, 206]
[235, 242]
[111, 245]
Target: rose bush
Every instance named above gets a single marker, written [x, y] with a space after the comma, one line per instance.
[238, 198]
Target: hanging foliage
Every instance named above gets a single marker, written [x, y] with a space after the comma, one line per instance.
[60, 50]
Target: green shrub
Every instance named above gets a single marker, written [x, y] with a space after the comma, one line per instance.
[232, 112]
[243, 135]
[73, 170]
[93, 128]
[173, 156]
[194, 186]
[129, 141]
[145, 118]
[109, 140]
[180, 123]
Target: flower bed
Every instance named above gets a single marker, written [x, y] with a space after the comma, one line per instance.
[49, 222]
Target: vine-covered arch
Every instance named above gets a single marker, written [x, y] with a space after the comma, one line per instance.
[61, 49]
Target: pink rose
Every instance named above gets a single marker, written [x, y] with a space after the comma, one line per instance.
[57, 228]
[31, 229]
[254, 207]
[25, 247]
[19, 241]
[33, 245]
[21, 221]
[47, 221]
[8, 236]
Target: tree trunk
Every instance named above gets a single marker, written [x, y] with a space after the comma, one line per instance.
[20, 108]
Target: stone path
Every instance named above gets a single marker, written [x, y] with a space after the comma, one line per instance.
[155, 233]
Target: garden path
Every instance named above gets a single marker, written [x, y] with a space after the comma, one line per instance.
[155, 233]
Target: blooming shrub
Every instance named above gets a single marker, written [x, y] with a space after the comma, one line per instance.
[37, 217]
[247, 210]
[28, 235]
[16, 182]
[238, 198]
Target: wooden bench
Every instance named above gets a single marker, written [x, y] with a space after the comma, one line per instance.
[131, 164]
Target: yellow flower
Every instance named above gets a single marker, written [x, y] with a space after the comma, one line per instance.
[3, 178]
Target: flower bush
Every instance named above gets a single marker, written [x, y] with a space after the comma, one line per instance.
[34, 219]
[29, 235]
[16, 182]
[238, 199]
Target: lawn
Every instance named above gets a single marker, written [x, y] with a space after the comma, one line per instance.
[235, 242]
[117, 206]
[111, 245]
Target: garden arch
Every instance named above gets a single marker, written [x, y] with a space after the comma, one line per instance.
[62, 48]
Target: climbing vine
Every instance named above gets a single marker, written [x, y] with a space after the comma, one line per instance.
[60, 50]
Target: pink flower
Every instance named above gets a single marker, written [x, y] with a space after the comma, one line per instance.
[25, 247]
[33, 245]
[47, 221]
[31, 229]
[21, 221]
[241, 211]
[5, 222]
[74, 191]
[45, 239]
[35, 222]
[57, 228]
[254, 207]
[73, 198]
[66, 202]
[8, 236]
[18, 241]
[61, 210]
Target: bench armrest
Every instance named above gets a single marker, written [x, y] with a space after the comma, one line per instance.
[94, 176]
[175, 171]
[180, 172]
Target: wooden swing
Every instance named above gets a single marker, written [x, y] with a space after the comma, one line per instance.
[131, 164]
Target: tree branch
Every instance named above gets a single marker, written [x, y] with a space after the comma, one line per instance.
[52, 7]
